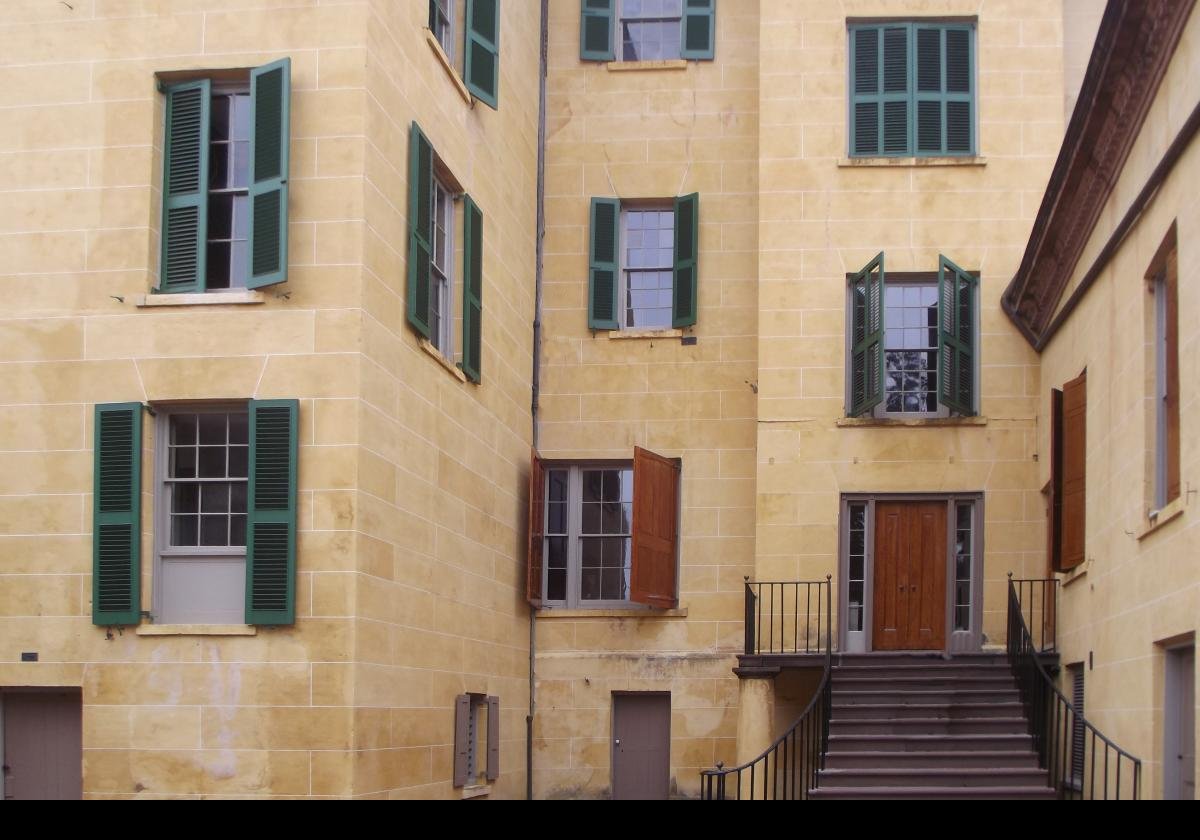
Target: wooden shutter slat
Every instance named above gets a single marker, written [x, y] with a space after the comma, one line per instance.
[482, 63]
[866, 368]
[605, 260]
[596, 25]
[957, 337]
[117, 515]
[687, 262]
[699, 30]
[462, 739]
[472, 364]
[420, 248]
[185, 188]
[653, 578]
[270, 138]
[271, 513]
[1074, 471]
[1055, 487]
[493, 739]
[536, 532]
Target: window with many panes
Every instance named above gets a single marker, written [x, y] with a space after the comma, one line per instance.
[1163, 280]
[441, 266]
[650, 29]
[647, 30]
[648, 267]
[229, 189]
[468, 31]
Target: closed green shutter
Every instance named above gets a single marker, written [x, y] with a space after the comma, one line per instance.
[482, 64]
[866, 341]
[185, 187]
[420, 192]
[271, 520]
[699, 29]
[270, 102]
[944, 97]
[472, 290]
[596, 30]
[687, 262]
[879, 102]
[604, 263]
[117, 515]
[957, 337]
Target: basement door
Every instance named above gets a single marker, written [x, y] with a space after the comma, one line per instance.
[42, 740]
[641, 753]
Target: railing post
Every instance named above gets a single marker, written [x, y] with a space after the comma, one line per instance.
[749, 617]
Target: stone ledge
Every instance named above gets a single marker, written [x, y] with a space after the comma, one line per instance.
[450, 367]
[444, 60]
[868, 162]
[237, 298]
[924, 422]
[642, 335]
[476, 791]
[197, 630]
[1167, 514]
[551, 612]
[627, 66]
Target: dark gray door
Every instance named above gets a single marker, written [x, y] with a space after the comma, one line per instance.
[641, 746]
[1179, 753]
[43, 744]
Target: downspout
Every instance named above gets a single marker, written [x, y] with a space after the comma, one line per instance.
[537, 349]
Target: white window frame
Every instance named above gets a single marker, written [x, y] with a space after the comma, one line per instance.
[626, 270]
[225, 90]
[444, 33]
[441, 268]
[619, 35]
[163, 550]
[942, 411]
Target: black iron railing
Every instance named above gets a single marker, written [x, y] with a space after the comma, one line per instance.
[788, 768]
[787, 617]
[1080, 762]
[1039, 608]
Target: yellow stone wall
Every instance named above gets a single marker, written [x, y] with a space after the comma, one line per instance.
[1139, 587]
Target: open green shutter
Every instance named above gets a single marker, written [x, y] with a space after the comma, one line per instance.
[185, 187]
[271, 520]
[270, 102]
[472, 290]
[699, 29]
[879, 84]
[433, 15]
[117, 515]
[599, 18]
[866, 342]
[604, 263]
[687, 263]
[957, 337]
[482, 64]
[420, 192]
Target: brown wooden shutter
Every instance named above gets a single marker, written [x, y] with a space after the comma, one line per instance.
[1171, 397]
[1054, 492]
[1074, 472]
[655, 530]
[493, 739]
[537, 522]
[462, 738]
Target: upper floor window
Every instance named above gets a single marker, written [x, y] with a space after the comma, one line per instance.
[912, 344]
[468, 32]
[647, 30]
[912, 89]
[1164, 285]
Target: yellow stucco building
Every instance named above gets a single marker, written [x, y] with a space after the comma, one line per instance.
[294, 288]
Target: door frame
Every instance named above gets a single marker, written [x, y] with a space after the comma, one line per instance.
[957, 641]
[1172, 682]
[612, 735]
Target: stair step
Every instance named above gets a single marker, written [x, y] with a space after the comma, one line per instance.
[924, 682]
[949, 710]
[933, 758]
[948, 776]
[940, 671]
[919, 659]
[847, 742]
[904, 697]
[909, 792]
[929, 726]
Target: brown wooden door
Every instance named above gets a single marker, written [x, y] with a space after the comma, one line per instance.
[641, 746]
[910, 576]
[43, 745]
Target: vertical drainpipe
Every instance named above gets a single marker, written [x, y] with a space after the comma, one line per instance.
[537, 347]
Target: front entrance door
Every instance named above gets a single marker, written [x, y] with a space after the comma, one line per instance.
[43, 744]
[641, 746]
[1179, 753]
[910, 576]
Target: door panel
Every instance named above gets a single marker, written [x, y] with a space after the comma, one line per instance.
[910, 576]
[43, 745]
[1179, 754]
[641, 746]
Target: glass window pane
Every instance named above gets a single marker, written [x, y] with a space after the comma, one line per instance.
[184, 530]
[214, 530]
[241, 217]
[239, 428]
[220, 118]
[218, 166]
[592, 553]
[217, 272]
[239, 268]
[183, 462]
[183, 428]
[556, 552]
[212, 429]
[856, 567]
[557, 485]
[591, 518]
[593, 481]
[556, 518]
[239, 461]
[556, 585]
[613, 584]
[589, 585]
[858, 517]
[237, 529]
[185, 498]
[241, 116]
[220, 216]
[241, 164]
[613, 553]
[212, 462]
[237, 497]
[214, 498]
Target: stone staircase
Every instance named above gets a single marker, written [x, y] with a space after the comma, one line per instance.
[915, 726]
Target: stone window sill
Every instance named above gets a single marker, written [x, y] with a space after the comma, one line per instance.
[856, 422]
[197, 630]
[643, 335]
[444, 60]
[476, 791]
[628, 66]
[966, 160]
[237, 298]
[1168, 513]
[450, 367]
[1076, 574]
[551, 612]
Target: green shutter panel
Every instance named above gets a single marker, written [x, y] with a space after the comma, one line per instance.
[944, 93]
[687, 262]
[699, 29]
[185, 187]
[604, 263]
[271, 520]
[879, 83]
[866, 341]
[472, 290]
[420, 192]
[117, 515]
[596, 30]
[270, 135]
[433, 15]
[482, 64]
[957, 337]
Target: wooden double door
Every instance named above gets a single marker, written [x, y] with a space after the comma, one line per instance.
[909, 608]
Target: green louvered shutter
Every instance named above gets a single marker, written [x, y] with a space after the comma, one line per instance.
[699, 29]
[117, 515]
[866, 342]
[599, 18]
[879, 83]
[420, 249]
[957, 337]
[944, 90]
[185, 187]
[433, 15]
[270, 102]
[482, 64]
[271, 520]
[472, 290]
[604, 263]
[687, 262]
